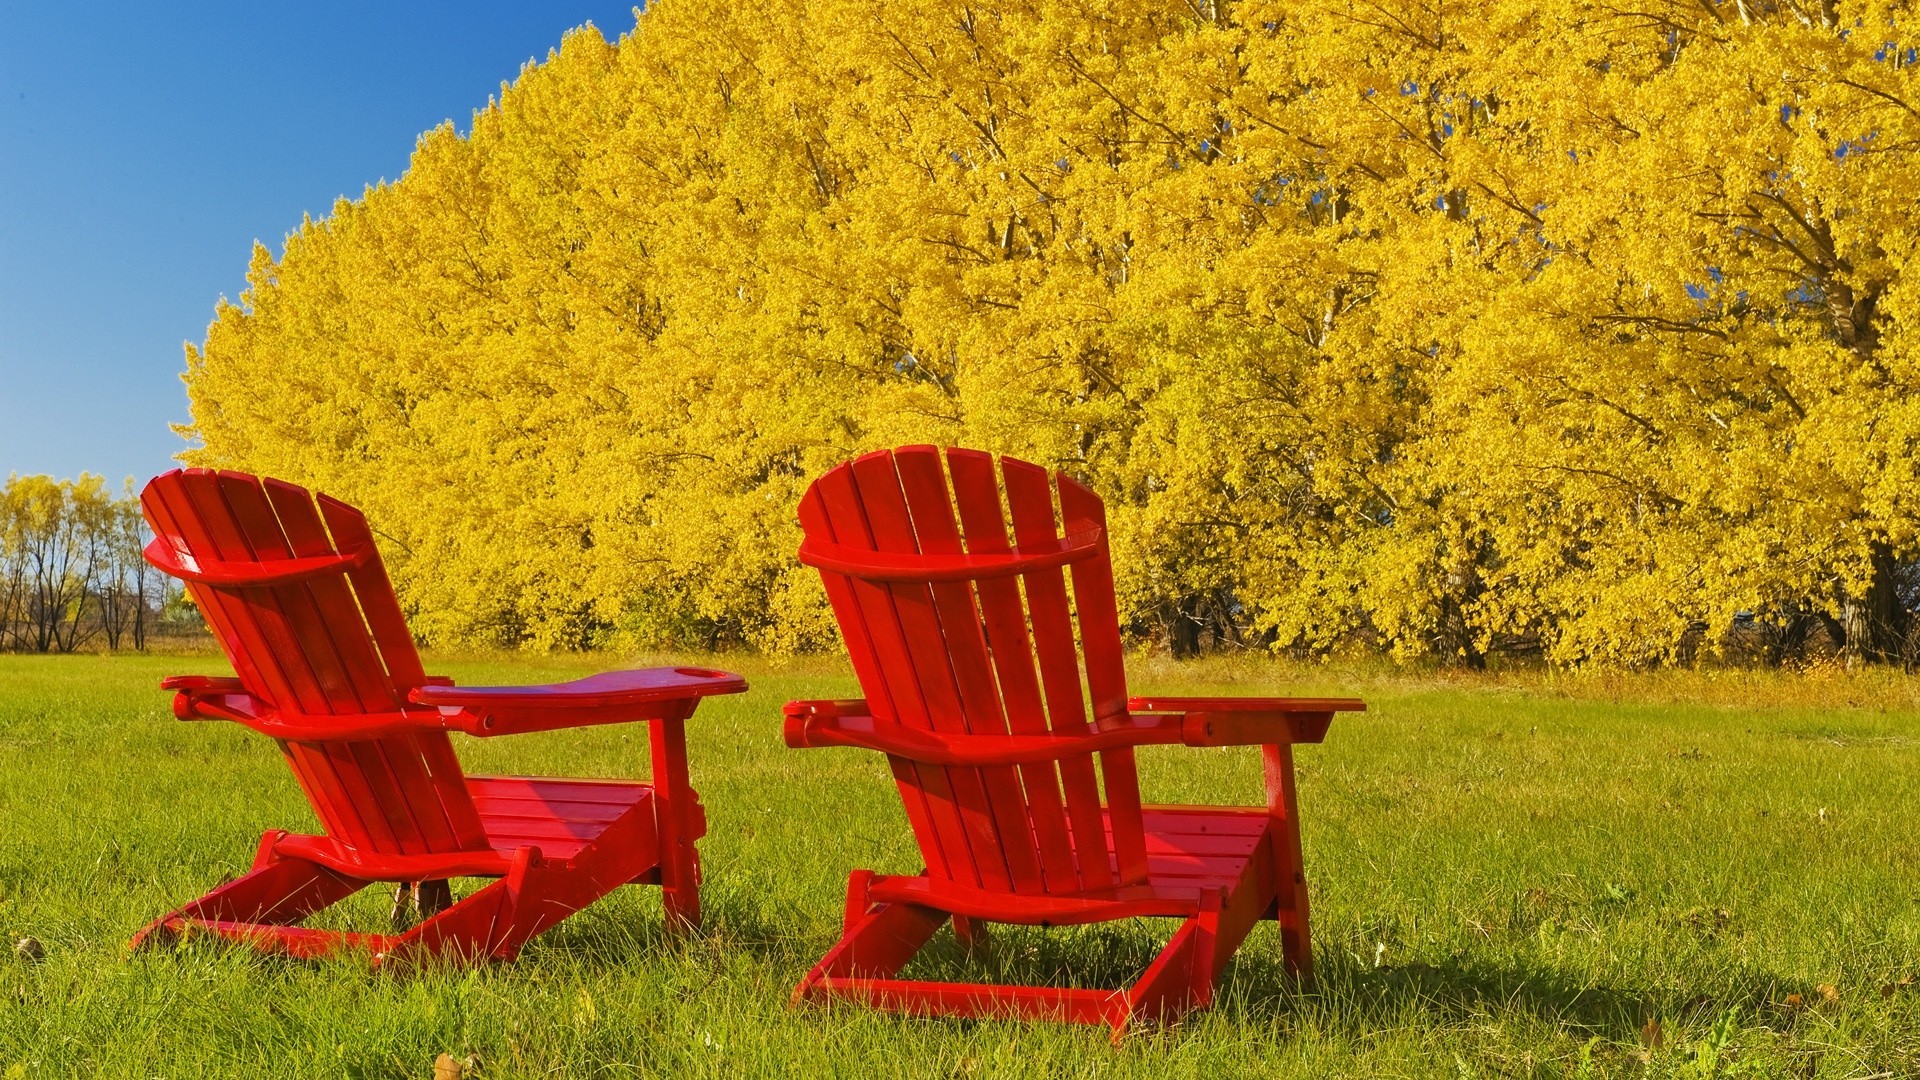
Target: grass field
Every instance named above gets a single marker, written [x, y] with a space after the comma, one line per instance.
[1677, 875]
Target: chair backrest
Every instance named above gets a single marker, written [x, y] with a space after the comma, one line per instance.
[298, 596]
[986, 645]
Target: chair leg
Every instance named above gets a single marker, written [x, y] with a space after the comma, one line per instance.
[972, 934]
[877, 940]
[1181, 978]
[678, 811]
[277, 892]
[1290, 877]
[418, 900]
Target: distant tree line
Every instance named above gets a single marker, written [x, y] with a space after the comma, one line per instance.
[71, 573]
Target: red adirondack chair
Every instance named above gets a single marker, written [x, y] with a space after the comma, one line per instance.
[964, 644]
[299, 598]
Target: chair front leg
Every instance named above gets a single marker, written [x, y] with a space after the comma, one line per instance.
[1289, 867]
[677, 806]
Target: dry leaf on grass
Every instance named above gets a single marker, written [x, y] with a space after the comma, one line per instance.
[448, 1067]
[1652, 1035]
[1829, 992]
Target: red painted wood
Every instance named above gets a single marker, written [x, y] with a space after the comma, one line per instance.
[881, 636]
[993, 672]
[1290, 900]
[827, 723]
[250, 572]
[962, 645]
[1098, 617]
[943, 567]
[846, 602]
[976, 494]
[1030, 506]
[605, 690]
[975, 844]
[296, 593]
[361, 616]
[676, 822]
[1158, 704]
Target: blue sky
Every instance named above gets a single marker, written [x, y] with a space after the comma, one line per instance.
[145, 147]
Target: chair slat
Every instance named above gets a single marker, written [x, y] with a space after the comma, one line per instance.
[425, 803]
[377, 602]
[319, 675]
[923, 480]
[929, 665]
[1030, 500]
[394, 641]
[976, 491]
[1099, 621]
[871, 627]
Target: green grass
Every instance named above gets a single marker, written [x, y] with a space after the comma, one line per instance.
[1528, 876]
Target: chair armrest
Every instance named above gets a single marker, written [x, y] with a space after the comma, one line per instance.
[223, 684]
[214, 700]
[833, 723]
[612, 697]
[1209, 721]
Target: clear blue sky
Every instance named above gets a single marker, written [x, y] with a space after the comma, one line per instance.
[145, 147]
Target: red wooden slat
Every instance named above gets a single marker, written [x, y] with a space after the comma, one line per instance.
[436, 810]
[923, 480]
[339, 657]
[558, 789]
[928, 665]
[377, 601]
[171, 513]
[852, 601]
[381, 609]
[1099, 621]
[258, 632]
[319, 676]
[976, 493]
[163, 504]
[1030, 500]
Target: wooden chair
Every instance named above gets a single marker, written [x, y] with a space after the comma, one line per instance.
[963, 640]
[297, 595]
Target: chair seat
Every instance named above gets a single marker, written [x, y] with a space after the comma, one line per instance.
[1191, 851]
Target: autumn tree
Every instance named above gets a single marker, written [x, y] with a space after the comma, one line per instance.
[1568, 327]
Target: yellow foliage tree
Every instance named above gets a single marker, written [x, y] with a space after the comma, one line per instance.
[1540, 323]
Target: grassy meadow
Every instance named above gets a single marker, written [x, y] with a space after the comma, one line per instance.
[1688, 874]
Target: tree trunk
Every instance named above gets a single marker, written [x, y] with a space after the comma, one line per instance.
[1875, 622]
[1180, 619]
